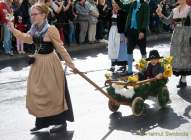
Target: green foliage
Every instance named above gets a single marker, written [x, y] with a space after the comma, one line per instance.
[150, 89]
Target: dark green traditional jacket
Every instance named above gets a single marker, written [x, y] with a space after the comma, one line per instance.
[142, 15]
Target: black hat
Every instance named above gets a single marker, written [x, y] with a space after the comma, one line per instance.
[153, 54]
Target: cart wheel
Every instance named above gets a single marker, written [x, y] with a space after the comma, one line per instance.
[138, 106]
[112, 106]
[163, 97]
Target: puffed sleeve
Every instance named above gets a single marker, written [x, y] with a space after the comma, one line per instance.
[25, 37]
[58, 44]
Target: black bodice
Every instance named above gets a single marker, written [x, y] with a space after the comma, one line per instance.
[184, 21]
[42, 46]
[114, 21]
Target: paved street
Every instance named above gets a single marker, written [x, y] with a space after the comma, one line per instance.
[93, 119]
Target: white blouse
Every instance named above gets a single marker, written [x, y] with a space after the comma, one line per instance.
[181, 14]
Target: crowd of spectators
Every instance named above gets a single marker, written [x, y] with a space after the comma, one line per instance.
[78, 21]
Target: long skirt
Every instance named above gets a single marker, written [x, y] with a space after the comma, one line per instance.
[181, 51]
[122, 58]
[61, 118]
[122, 55]
[113, 42]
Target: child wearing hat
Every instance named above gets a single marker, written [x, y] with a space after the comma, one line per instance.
[154, 68]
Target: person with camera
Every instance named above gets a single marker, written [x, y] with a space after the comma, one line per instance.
[47, 92]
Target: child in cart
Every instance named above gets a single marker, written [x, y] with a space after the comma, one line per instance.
[154, 67]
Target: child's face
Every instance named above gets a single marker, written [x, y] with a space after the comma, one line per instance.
[20, 20]
[154, 61]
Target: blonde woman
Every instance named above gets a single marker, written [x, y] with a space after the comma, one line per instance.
[47, 93]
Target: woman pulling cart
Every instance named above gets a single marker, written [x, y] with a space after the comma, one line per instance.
[47, 92]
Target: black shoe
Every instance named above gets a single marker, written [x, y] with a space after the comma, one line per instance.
[181, 84]
[35, 129]
[112, 69]
[60, 127]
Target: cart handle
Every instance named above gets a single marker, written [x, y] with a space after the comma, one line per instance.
[130, 83]
[96, 86]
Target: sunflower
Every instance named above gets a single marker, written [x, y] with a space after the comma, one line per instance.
[167, 71]
[133, 78]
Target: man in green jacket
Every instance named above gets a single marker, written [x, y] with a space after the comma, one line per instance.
[135, 29]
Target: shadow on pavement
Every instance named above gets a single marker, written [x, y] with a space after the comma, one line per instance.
[61, 135]
[15, 65]
[187, 112]
[186, 95]
[19, 64]
[89, 53]
[152, 118]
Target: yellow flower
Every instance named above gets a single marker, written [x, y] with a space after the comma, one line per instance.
[168, 60]
[108, 75]
[167, 71]
[142, 64]
[133, 78]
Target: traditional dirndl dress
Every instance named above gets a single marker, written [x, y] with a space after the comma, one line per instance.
[117, 46]
[181, 42]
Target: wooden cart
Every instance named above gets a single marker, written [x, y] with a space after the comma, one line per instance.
[137, 101]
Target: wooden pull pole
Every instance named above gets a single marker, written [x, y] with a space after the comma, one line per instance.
[96, 86]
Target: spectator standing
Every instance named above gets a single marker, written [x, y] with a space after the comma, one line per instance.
[94, 14]
[154, 18]
[21, 27]
[71, 18]
[166, 11]
[51, 16]
[122, 57]
[117, 46]
[6, 14]
[59, 9]
[23, 11]
[103, 19]
[83, 16]
[136, 25]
